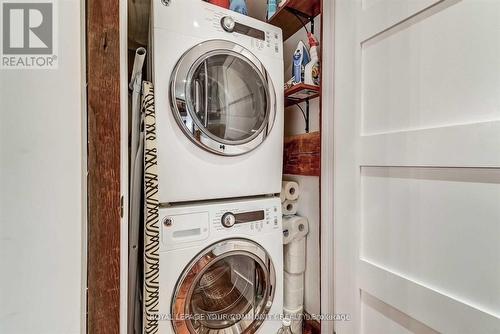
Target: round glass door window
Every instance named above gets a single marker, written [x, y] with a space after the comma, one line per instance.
[229, 293]
[222, 98]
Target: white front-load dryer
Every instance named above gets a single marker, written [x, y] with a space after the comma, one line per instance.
[218, 80]
[221, 268]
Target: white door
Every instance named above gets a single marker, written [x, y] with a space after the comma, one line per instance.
[417, 166]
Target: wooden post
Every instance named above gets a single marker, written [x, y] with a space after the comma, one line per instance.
[103, 76]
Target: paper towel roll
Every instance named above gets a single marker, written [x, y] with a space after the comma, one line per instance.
[292, 299]
[289, 207]
[296, 315]
[291, 190]
[294, 291]
[294, 281]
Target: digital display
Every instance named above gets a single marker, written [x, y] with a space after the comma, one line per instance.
[249, 31]
[247, 217]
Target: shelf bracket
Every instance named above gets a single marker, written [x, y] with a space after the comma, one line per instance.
[307, 116]
[300, 15]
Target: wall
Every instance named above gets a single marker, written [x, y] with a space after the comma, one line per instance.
[309, 202]
[42, 150]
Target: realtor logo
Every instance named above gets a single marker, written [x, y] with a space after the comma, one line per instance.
[28, 32]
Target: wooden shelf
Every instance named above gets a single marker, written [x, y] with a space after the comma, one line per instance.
[288, 22]
[300, 93]
[302, 154]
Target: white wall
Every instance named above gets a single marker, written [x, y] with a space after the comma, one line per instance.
[41, 190]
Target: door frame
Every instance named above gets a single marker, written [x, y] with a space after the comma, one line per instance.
[105, 28]
[327, 164]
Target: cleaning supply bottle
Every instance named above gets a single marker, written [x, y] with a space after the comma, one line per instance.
[286, 326]
[300, 59]
[239, 6]
[312, 69]
[272, 6]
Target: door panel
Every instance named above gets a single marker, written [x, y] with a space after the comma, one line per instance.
[437, 72]
[417, 175]
[227, 288]
[380, 15]
[222, 98]
[434, 226]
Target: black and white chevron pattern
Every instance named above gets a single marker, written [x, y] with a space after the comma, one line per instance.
[152, 205]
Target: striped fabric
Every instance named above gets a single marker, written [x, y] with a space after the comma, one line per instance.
[152, 224]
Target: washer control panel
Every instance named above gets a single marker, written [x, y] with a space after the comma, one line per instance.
[187, 225]
[243, 221]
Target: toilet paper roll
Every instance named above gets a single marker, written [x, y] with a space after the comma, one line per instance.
[297, 316]
[294, 228]
[295, 256]
[291, 190]
[282, 197]
[289, 207]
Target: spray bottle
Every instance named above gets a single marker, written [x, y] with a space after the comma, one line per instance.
[272, 6]
[312, 69]
[239, 6]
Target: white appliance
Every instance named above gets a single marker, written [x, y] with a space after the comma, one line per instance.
[221, 267]
[218, 79]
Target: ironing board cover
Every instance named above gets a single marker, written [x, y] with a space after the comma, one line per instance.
[151, 216]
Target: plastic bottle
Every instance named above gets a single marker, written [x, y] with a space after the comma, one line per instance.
[239, 6]
[272, 6]
[286, 326]
[312, 69]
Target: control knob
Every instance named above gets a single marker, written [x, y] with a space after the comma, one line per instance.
[228, 220]
[228, 23]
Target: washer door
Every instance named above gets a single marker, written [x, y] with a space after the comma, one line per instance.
[222, 98]
[227, 288]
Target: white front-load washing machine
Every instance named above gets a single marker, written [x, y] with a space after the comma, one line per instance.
[221, 268]
[218, 80]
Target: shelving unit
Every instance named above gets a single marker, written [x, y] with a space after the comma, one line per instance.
[301, 93]
[302, 152]
[290, 16]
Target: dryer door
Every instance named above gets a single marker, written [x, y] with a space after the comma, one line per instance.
[222, 98]
[227, 288]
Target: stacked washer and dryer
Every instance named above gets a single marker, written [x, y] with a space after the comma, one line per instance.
[218, 80]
